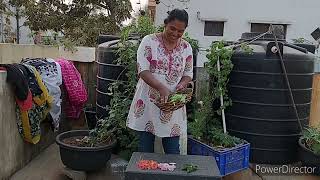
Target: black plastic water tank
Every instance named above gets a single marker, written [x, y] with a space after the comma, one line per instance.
[108, 72]
[107, 38]
[262, 111]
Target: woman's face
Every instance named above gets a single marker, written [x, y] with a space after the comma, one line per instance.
[174, 30]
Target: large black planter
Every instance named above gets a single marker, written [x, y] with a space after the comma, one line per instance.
[83, 158]
[308, 158]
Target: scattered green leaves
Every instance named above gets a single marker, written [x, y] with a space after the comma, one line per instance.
[190, 168]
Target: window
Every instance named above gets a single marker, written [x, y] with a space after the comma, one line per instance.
[213, 28]
[262, 28]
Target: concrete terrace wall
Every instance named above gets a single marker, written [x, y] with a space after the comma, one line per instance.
[15, 153]
[13, 53]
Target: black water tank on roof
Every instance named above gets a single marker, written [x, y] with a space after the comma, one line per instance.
[107, 38]
[262, 111]
[108, 72]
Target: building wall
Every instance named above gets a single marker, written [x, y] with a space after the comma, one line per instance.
[302, 17]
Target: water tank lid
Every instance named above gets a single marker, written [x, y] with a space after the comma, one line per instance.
[109, 44]
[266, 37]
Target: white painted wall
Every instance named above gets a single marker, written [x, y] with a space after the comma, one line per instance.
[303, 17]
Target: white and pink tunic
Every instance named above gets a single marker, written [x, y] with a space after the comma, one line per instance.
[168, 67]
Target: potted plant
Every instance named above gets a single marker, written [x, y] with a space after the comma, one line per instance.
[208, 136]
[208, 139]
[309, 152]
[87, 150]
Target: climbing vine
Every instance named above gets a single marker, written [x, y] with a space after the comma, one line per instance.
[219, 79]
[207, 119]
[122, 92]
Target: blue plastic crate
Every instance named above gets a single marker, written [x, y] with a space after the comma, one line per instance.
[228, 161]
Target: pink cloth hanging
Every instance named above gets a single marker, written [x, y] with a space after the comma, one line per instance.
[76, 91]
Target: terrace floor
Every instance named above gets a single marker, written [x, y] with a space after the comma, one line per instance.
[48, 166]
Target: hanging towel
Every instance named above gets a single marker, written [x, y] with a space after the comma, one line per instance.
[29, 119]
[50, 72]
[76, 91]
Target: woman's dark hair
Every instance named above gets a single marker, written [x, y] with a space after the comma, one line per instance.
[177, 14]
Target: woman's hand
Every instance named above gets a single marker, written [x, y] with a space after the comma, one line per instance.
[154, 83]
[164, 94]
[181, 86]
[185, 80]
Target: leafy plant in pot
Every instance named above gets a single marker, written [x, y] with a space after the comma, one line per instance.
[85, 150]
[309, 152]
[230, 153]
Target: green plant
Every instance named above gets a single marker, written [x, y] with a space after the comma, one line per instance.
[221, 140]
[81, 22]
[102, 135]
[206, 125]
[122, 92]
[301, 41]
[220, 79]
[312, 139]
[178, 98]
[190, 168]
[193, 42]
[56, 41]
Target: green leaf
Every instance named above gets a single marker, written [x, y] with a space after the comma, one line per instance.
[190, 168]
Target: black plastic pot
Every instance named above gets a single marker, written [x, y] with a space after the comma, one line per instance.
[308, 158]
[83, 158]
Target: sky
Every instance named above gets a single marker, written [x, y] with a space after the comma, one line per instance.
[136, 7]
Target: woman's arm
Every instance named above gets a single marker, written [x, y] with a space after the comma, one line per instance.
[154, 83]
[144, 57]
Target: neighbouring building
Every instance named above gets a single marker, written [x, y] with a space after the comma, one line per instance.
[211, 20]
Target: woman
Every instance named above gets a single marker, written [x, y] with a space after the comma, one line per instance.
[165, 65]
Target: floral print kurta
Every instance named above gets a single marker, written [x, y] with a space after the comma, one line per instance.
[168, 67]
